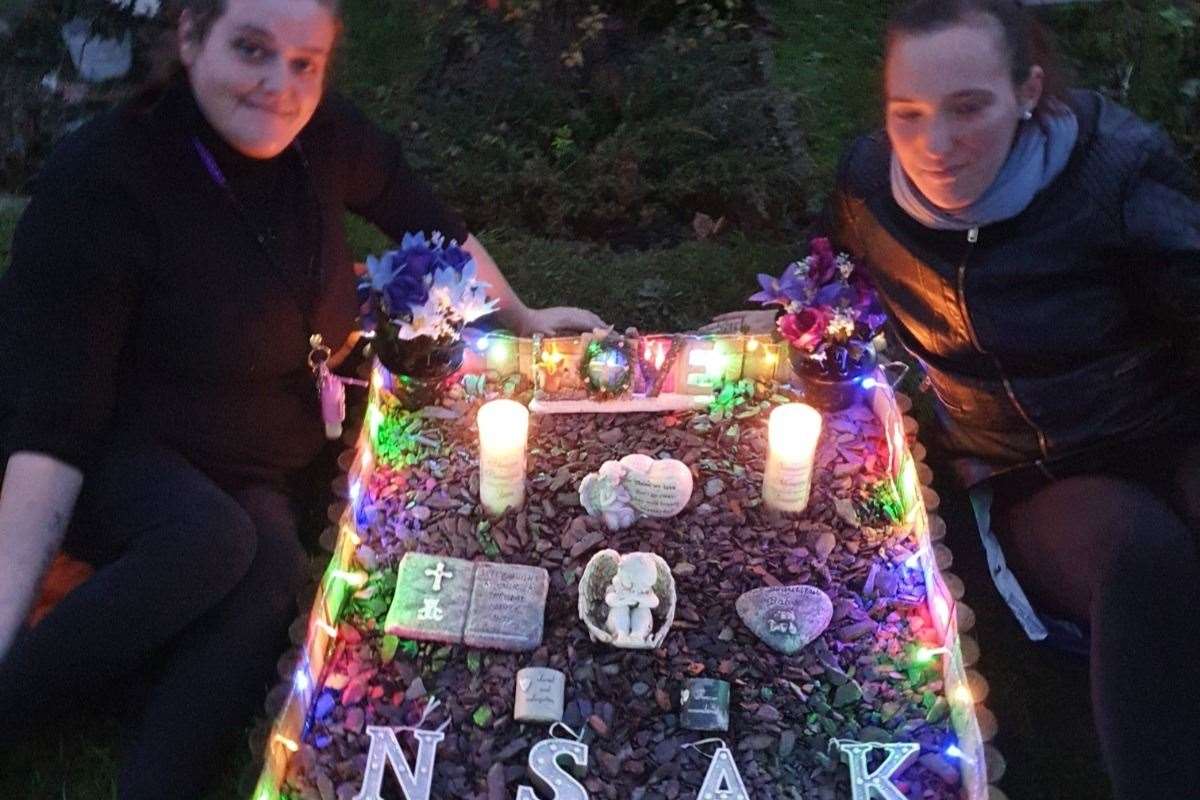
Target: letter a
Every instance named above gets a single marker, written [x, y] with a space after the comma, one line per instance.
[723, 781]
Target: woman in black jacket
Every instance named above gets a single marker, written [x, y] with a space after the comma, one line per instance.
[1038, 251]
[176, 257]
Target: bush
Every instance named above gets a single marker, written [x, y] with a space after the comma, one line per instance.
[1145, 54]
[624, 148]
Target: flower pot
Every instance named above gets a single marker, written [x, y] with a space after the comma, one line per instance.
[831, 392]
[420, 366]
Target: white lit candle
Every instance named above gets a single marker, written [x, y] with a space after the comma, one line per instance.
[503, 428]
[792, 443]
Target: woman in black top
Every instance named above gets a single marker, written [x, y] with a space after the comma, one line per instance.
[1038, 253]
[176, 257]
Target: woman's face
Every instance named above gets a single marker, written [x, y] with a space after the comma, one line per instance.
[259, 73]
[952, 109]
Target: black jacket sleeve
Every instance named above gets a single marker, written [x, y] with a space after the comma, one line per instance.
[66, 303]
[1162, 226]
[378, 183]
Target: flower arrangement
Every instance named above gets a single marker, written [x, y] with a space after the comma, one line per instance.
[425, 288]
[831, 313]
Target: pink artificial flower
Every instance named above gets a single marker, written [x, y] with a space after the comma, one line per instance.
[804, 329]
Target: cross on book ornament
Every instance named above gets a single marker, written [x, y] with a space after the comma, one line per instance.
[439, 575]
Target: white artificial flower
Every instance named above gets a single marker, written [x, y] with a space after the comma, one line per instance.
[427, 320]
[840, 325]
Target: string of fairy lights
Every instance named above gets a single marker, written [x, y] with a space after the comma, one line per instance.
[343, 577]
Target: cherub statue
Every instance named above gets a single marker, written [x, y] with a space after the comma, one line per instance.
[622, 598]
[630, 600]
[601, 493]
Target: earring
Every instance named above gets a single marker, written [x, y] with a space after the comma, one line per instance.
[1027, 115]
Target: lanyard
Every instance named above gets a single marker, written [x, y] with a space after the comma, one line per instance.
[330, 389]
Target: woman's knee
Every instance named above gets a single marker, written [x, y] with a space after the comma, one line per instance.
[1144, 540]
[280, 569]
[284, 565]
[1092, 529]
[219, 538]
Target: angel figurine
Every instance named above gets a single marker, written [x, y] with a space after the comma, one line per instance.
[601, 493]
[623, 597]
[630, 600]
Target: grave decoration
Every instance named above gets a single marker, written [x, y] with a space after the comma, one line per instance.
[637, 484]
[823, 645]
[627, 600]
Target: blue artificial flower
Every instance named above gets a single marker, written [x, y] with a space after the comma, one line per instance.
[455, 257]
[427, 287]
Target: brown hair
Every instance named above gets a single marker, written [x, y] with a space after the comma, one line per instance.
[165, 65]
[1024, 40]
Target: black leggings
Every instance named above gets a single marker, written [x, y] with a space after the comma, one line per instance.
[192, 597]
[1114, 548]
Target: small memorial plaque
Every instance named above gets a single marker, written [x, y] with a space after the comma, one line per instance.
[540, 693]
[657, 487]
[432, 596]
[704, 705]
[508, 606]
[786, 617]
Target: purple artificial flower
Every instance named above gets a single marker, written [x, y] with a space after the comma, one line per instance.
[824, 263]
[835, 295]
[406, 289]
[780, 291]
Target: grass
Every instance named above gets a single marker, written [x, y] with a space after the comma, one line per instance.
[827, 54]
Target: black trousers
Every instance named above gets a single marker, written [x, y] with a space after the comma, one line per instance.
[194, 591]
[1112, 544]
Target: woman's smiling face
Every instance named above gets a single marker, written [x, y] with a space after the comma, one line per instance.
[952, 109]
[259, 73]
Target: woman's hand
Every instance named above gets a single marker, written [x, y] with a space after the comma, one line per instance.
[556, 319]
[758, 321]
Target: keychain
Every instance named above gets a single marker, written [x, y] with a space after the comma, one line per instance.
[330, 388]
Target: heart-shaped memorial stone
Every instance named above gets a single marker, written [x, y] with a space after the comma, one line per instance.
[657, 487]
[786, 617]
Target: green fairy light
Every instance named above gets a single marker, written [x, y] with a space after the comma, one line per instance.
[374, 420]
[908, 484]
[498, 350]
